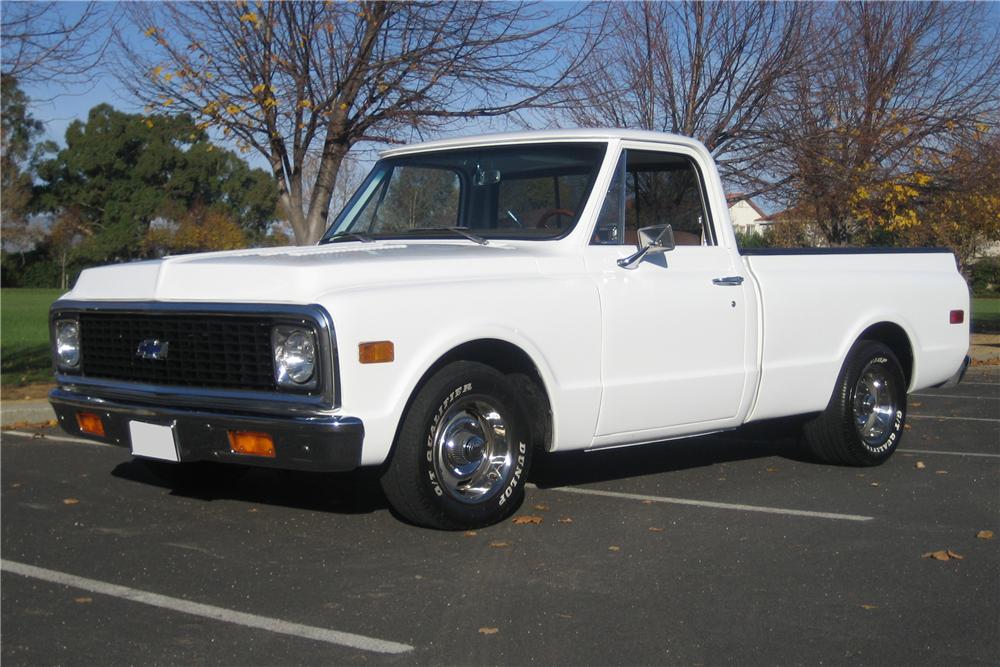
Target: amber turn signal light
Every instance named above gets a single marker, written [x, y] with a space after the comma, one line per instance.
[378, 352]
[957, 316]
[251, 443]
[90, 423]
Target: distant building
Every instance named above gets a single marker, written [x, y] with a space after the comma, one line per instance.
[746, 216]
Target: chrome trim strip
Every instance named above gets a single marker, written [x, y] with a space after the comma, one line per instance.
[325, 400]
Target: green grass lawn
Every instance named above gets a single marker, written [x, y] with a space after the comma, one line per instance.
[986, 315]
[24, 335]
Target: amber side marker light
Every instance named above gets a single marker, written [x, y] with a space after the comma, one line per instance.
[90, 423]
[957, 316]
[251, 443]
[377, 352]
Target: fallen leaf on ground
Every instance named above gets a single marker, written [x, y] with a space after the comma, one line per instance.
[541, 508]
[527, 519]
[499, 545]
[941, 554]
[565, 519]
[83, 600]
[940, 472]
[470, 533]
[956, 556]
[647, 502]
[906, 427]
[985, 534]
[772, 470]
[253, 509]
[873, 484]
[614, 547]
[70, 501]
[869, 606]
[488, 631]
[919, 465]
[916, 405]
[654, 529]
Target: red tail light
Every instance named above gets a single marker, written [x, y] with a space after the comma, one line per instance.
[957, 316]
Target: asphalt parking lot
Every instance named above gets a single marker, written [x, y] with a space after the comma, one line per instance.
[730, 549]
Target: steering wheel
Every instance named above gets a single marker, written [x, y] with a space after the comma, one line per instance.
[544, 218]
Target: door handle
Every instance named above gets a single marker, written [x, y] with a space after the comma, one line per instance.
[731, 281]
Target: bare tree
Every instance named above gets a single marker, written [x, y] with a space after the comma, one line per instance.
[52, 41]
[290, 79]
[897, 89]
[703, 69]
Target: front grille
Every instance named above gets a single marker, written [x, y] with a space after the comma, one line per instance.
[204, 350]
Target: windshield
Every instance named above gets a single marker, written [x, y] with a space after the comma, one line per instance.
[534, 191]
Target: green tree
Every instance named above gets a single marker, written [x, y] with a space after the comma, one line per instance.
[20, 151]
[119, 172]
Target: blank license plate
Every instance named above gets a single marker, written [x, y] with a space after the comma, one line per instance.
[153, 441]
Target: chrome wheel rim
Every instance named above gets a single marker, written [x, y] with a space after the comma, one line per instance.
[472, 453]
[874, 405]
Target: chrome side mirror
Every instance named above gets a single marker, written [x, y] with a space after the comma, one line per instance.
[656, 239]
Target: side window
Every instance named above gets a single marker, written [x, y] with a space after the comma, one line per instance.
[412, 197]
[661, 189]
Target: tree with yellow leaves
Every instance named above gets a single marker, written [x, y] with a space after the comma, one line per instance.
[295, 81]
[871, 133]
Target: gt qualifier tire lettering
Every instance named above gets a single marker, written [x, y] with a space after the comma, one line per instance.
[463, 451]
[435, 484]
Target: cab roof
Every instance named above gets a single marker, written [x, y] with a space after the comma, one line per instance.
[547, 136]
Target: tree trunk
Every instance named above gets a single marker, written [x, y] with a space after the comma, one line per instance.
[318, 216]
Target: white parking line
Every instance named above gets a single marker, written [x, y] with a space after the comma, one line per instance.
[207, 611]
[932, 451]
[711, 504]
[56, 438]
[976, 398]
[961, 419]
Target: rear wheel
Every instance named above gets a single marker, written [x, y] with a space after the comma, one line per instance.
[462, 455]
[863, 422]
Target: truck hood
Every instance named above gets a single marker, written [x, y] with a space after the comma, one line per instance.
[303, 274]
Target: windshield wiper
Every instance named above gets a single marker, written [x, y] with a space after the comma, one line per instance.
[461, 231]
[354, 236]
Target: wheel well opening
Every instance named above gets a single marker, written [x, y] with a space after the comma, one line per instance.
[515, 363]
[893, 336]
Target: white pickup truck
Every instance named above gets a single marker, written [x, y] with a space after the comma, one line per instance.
[482, 298]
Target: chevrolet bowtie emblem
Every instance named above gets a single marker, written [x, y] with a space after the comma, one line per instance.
[153, 348]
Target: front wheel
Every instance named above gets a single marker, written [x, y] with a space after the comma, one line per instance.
[863, 422]
[462, 454]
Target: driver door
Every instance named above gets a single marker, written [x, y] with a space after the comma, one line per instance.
[675, 342]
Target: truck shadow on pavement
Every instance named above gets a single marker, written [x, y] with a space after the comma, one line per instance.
[342, 493]
[572, 468]
[359, 492]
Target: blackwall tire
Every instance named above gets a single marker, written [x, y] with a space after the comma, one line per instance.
[463, 451]
[864, 421]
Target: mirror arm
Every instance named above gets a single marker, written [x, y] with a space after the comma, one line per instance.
[633, 260]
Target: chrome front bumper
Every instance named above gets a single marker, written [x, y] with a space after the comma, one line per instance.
[321, 443]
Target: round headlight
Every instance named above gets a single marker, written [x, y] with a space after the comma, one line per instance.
[295, 356]
[68, 343]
